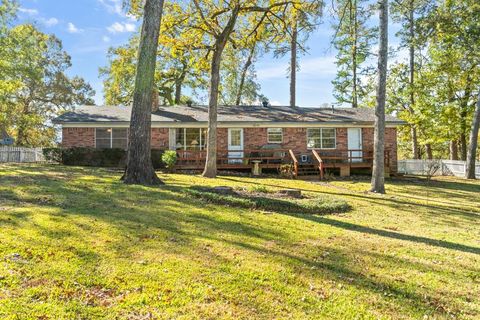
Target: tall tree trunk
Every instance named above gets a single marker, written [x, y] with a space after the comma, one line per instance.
[463, 146]
[411, 49]
[293, 66]
[463, 119]
[139, 163]
[243, 76]
[210, 170]
[415, 147]
[22, 139]
[428, 149]
[21, 136]
[453, 150]
[354, 18]
[472, 149]
[378, 171]
[178, 87]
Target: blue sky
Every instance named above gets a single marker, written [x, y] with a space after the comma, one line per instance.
[88, 28]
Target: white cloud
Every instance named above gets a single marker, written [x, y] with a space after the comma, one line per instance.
[31, 12]
[113, 6]
[49, 22]
[130, 27]
[119, 27]
[71, 28]
[106, 39]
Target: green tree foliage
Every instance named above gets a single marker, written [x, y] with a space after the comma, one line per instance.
[353, 40]
[179, 66]
[33, 85]
[434, 89]
[239, 85]
[8, 9]
[182, 66]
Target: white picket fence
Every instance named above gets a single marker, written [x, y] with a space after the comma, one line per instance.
[21, 155]
[447, 167]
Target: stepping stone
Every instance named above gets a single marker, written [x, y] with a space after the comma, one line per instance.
[223, 190]
[292, 193]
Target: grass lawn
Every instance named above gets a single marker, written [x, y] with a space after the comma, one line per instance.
[75, 243]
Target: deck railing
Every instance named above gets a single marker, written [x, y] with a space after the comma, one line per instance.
[233, 158]
[274, 158]
[348, 156]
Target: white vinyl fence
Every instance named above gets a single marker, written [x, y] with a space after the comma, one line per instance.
[22, 155]
[446, 167]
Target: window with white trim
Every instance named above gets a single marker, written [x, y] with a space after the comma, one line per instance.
[108, 138]
[275, 135]
[321, 138]
[190, 138]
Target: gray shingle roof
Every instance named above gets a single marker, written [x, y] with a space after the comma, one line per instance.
[92, 114]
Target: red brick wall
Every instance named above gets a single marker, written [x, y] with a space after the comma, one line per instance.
[222, 139]
[254, 137]
[159, 138]
[78, 137]
[390, 144]
[293, 138]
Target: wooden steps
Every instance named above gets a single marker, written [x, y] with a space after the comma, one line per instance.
[308, 170]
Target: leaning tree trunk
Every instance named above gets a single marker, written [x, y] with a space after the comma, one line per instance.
[378, 171]
[293, 67]
[472, 149]
[248, 63]
[139, 163]
[210, 170]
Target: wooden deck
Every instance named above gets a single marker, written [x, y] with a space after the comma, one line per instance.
[315, 162]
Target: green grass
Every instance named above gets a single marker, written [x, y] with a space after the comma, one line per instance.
[75, 243]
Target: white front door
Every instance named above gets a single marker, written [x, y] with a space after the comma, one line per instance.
[235, 145]
[355, 144]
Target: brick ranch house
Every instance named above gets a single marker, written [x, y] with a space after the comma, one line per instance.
[312, 140]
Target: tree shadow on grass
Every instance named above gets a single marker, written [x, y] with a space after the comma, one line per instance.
[134, 211]
[394, 202]
[127, 210]
[390, 234]
[340, 268]
[393, 235]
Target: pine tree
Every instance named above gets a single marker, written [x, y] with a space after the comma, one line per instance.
[353, 40]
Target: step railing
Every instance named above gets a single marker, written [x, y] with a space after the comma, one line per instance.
[295, 163]
[317, 157]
